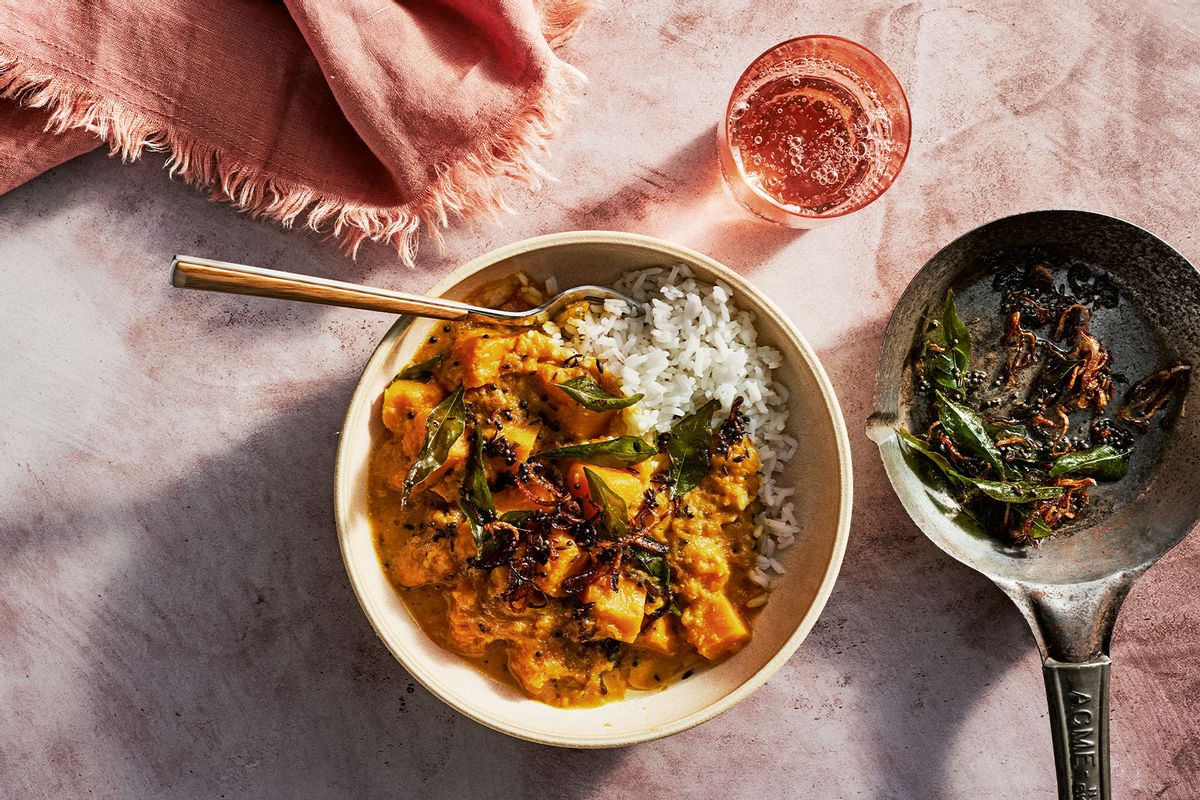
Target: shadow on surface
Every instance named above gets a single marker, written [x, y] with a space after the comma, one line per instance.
[230, 653]
[683, 199]
[141, 237]
[954, 632]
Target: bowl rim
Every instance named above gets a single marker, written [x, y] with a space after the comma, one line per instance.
[427, 678]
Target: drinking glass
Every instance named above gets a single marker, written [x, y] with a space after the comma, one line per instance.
[817, 127]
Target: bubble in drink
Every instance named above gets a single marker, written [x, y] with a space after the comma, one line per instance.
[817, 126]
[809, 141]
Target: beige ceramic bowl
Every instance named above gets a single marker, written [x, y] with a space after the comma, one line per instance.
[821, 470]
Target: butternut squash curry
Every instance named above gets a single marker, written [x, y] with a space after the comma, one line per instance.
[531, 532]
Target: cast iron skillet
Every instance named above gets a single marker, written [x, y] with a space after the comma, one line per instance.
[1071, 588]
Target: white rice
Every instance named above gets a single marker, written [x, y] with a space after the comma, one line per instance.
[692, 345]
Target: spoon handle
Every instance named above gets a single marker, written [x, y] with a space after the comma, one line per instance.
[220, 276]
[1078, 695]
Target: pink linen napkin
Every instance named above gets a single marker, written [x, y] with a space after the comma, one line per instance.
[368, 118]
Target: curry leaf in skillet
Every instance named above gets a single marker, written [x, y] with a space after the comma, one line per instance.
[688, 448]
[1035, 525]
[957, 338]
[1104, 462]
[1018, 441]
[421, 372]
[594, 397]
[1025, 491]
[966, 429]
[443, 427]
[623, 451]
[946, 351]
[1024, 453]
[937, 458]
[1016, 491]
[614, 513]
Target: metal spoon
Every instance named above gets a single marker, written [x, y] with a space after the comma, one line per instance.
[1071, 588]
[220, 276]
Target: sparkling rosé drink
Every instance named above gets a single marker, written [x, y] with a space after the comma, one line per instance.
[817, 127]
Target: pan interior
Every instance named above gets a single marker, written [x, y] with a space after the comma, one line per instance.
[1156, 325]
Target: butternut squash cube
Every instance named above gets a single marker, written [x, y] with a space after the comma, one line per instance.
[522, 438]
[707, 561]
[629, 486]
[618, 615]
[405, 406]
[714, 626]
[661, 637]
[512, 499]
[564, 554]
[581, 422]
[480, 353]
[456, 457]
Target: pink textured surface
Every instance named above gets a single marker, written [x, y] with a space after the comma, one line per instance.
[174, 618]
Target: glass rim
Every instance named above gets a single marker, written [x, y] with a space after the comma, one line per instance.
[888, 75]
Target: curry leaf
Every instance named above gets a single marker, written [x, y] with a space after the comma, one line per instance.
[477, 531]
[1024, 450]
[443, 426]
[1003, 491]
[1015, 491]
[1038, 529]
[517, 518]
[476, 503]
[965, 428]
[1104, 462]
[946, 350]
[1004, 430]
[1055, 373]
[937, 458]
[591, 395]
[956, 336]
[624, 451]
[658, 568]
[487, 545]
[421, 372]
[689, 449]
[475, 489]
[614, 514]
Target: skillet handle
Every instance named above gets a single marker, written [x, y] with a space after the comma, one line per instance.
[1078, 696]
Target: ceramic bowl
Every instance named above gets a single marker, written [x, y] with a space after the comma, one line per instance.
[821, 470]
